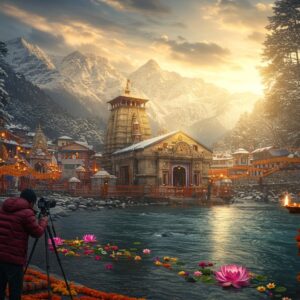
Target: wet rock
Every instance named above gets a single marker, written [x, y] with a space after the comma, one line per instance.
[72, 207]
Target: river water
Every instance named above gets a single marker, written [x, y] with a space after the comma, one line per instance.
[259, 236]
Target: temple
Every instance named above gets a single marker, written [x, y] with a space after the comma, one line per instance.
[137, 158]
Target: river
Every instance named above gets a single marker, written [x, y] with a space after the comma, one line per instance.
[259, 236]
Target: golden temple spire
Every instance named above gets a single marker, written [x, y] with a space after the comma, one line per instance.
[127, 89]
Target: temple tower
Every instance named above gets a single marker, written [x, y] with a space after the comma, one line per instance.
[128, 122]
[40, 157]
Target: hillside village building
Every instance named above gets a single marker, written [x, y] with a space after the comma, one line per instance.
[172, 159]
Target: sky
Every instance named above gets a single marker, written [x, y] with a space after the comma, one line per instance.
[220, 41]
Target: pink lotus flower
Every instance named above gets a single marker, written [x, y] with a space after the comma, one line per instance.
[146, 251]
[57, 241]
[114, 248]
[97, 257]
[197, 273]
[233, 275]
[89, 238]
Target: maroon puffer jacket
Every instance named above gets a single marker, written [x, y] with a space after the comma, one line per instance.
[17, 222]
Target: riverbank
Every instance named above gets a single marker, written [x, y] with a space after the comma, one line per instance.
[35, 287]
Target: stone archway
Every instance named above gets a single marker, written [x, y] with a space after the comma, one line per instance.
[179, 176]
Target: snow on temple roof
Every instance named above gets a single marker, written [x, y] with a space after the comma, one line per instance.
[146, 143]
[262, 149]
[98, 154]
[74, 179]
[84, 144]
[80, 168]
[64, 137]
[101, 173]
[241, 151]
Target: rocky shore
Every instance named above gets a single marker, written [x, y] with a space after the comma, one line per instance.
[66, 204]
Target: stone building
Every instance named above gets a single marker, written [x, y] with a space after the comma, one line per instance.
[128, 123]
[173, 159]
[73, 155]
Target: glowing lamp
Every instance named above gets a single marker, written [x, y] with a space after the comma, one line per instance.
[286, 200]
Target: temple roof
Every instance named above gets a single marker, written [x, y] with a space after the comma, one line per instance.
[119, 99]
[146, 143]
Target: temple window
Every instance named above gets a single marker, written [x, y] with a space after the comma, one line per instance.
[165, 178]
[195, 147]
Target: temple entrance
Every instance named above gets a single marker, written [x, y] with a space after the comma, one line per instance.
[124, 175]
[179, 176]
[40, 167]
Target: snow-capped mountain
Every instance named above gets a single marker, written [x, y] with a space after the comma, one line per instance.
[83, 83]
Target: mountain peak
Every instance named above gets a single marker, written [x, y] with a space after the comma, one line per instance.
[151, 64]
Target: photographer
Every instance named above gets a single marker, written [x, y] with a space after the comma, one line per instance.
[17, 222]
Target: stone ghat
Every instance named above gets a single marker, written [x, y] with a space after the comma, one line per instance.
[35, 288]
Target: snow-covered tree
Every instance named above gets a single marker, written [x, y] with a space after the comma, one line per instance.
[282, 73]
[4, 116]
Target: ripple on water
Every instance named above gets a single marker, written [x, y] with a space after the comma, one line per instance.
[259, 236]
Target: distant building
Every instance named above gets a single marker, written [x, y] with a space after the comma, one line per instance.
[73, 155]
[40, 157]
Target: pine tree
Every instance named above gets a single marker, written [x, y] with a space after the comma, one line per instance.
[4, 116]
[282, 74]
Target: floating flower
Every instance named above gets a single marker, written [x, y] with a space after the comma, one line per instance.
[137, 258]
[173, 259]
[89, 238]
[286, 298]
[203, 264]
[168, 266]
[233, 275]
[182, 273]
[271, 285]
[197, 273]
[114, 248]
[57, 242]
[108, 267]
[70, 253]
[158, 263]
[166, 258]
[261, 289]
[146, 251]
[88, 252]
[97, 257]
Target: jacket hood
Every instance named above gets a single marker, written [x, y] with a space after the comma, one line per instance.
[15, 204]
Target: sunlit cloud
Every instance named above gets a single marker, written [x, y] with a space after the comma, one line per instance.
[239, 15]
[149, 6]
[196, 54]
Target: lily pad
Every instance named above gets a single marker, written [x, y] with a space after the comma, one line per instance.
[190, 279]
[206, 271]
[136, 243]
[261, 277]
[280, 289]
[278, 296]
[207, 279]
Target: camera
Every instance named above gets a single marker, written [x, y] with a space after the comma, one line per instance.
[44, 205]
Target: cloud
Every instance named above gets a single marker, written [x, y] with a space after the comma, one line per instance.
[239, 14]
[196, 54]
[145, 6]
[257, 37]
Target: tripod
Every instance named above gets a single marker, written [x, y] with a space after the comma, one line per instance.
[49, 233]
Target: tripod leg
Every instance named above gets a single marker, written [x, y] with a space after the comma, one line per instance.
[31, 254]
[59, 261]
[52, 225]
[47, 265]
